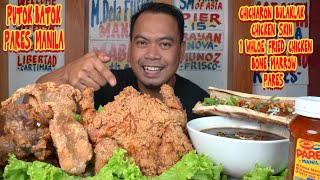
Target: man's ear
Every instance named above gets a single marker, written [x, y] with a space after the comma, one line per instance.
[182, 51]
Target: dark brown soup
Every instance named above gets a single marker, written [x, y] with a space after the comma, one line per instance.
[239, 133]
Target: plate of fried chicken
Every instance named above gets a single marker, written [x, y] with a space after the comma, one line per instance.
[151, 130]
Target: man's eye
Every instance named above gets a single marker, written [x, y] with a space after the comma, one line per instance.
[141, 43]
[165, 45]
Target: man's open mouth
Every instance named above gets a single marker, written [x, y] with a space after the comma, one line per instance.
[152, 68]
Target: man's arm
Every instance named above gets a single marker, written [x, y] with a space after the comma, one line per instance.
[87, 71]
[57, 76]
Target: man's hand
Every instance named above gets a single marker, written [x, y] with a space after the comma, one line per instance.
[89, 71]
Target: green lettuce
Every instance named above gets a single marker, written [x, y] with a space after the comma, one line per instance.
[100, 108]
[191, 166]
[20, 170]
[119, 167]
[78, 116]
[264, 173]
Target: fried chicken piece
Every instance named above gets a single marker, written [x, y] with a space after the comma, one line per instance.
[58, 104]
[41, 94]
[104, 150]
[151, 130]
[71, 140]
[87, 105]
[24, 132]
[172, 147]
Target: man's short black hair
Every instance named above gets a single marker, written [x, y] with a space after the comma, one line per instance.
[160, 8]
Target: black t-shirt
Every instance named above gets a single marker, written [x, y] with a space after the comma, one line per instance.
[188, 92]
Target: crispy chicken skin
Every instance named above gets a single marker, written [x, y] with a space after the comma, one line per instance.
[104, 150]
[70, 139]
[151, 130]
[56, 105]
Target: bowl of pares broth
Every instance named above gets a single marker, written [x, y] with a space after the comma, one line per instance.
[240, 144]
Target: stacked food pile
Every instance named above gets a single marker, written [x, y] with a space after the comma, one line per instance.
[57, 134]
[133, 137]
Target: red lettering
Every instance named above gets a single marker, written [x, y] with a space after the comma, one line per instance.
[203, 17]
[19, 61]
[217, 38]
[9, 14]
[215, 18]
[311, 154]
[308, 154]
[299, 152]
[40, 60]
[54, 61]
[217, 57]
[265, 77]
[6, 39]
[186, 16]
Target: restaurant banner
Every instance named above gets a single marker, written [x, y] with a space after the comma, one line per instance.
[109, 25]
[296, 83]
[35, 43]
[206, 36]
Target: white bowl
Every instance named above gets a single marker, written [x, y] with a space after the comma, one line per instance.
[237, 156]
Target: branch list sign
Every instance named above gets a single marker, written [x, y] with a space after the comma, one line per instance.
[206, 42]
[34, 39]
[109, 25]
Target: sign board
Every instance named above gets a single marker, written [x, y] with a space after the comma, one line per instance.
[109, 25]
[296, 83]
[206, 36]
[26, 67]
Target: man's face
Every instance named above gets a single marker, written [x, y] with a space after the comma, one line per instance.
[155, 49]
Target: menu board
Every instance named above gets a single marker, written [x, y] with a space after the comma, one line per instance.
[109, 25]
[296, 83]
[44, 37]
[206, 36]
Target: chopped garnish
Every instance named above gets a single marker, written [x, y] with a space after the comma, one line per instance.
[100, 108]
[273, 99]
[290, 110]
[257, 106]
[271, 106]
[78, 117]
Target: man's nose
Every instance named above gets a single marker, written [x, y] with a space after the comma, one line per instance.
[153, 52]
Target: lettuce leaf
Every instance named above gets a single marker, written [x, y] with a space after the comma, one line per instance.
[191, 166]
[281, 176]
[100, 108]
[119, 167]
[264, 173]
[39, 170]
[78, 116]
[20, 170]
[16, 169]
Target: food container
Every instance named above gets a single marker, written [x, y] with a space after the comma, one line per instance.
[238, 156]
[304, 156]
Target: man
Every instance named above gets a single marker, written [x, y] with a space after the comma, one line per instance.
[155, 51]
